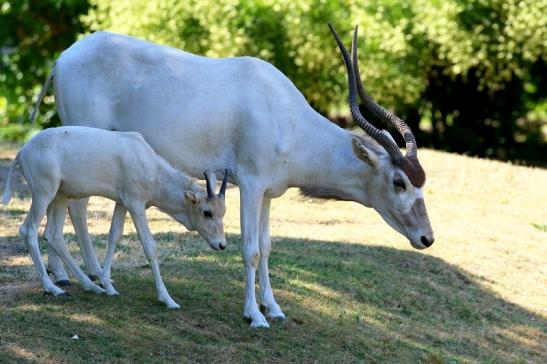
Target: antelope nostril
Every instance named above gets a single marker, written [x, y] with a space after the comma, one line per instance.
[425, 241]
[222, 246]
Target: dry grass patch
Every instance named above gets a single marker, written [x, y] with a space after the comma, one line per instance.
[353, 289]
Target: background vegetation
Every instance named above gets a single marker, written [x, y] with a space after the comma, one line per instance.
[469, 76]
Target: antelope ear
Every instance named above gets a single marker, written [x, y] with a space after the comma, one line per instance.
[191, 196]
[364, 154]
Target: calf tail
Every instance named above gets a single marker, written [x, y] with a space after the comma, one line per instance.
[43, 91]
[6, 197]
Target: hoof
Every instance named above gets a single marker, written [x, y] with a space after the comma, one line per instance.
[277, 318]
[274, 313]
[260, 325]
[64, 294]
[93, 277]
[63, 283]
[258, 321]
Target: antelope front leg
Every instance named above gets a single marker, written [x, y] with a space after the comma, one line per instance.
[138, 215]
[273, 311]
[251, 201]
[116, 231]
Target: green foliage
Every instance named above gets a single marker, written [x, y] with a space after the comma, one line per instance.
[470, 73]
[32, 34]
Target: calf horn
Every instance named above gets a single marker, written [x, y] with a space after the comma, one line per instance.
[210, 192]
[222, 191]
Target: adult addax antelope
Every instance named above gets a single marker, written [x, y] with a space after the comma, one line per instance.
[242, 114]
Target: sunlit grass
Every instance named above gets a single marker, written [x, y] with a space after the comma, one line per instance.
[353, 289]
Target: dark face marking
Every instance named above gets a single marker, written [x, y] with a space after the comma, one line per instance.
[412, 168]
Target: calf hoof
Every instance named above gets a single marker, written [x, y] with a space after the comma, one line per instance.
[64, 294]
[172, 305]
[96, 289]
[63, 283]
[112, 292]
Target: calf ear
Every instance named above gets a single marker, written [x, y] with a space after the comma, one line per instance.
[191, 196]
[364, 154]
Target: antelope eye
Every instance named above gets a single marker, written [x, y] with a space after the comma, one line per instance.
[207, 213]
[399, 183]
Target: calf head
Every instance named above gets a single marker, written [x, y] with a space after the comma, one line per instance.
[206, 212]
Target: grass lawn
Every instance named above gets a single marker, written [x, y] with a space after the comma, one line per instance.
[353, 290]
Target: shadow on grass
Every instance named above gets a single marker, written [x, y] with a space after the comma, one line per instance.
[344, 302]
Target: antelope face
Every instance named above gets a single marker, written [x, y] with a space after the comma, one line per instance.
[401, 204]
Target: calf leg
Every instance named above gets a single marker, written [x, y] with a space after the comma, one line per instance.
[266, 294]
[138, 214]
[55, 265]
[29, 234]
[116, 231]
[78, 214]
[55, 220]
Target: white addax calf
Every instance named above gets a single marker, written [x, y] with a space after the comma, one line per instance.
[75, 162]
[242, 114]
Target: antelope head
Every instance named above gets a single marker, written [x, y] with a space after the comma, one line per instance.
[396, 191]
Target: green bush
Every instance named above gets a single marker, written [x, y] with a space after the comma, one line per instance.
[32, 35]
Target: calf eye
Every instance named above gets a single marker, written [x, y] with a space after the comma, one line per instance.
[207, 213]
[399, 183]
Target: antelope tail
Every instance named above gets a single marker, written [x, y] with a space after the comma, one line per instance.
[43, 91]
[6, 197]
